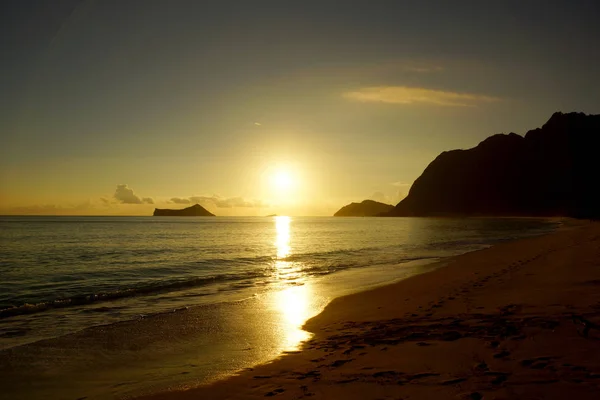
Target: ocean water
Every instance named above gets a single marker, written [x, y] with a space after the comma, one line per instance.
[249, 283]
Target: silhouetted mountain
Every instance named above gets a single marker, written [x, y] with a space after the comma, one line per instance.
[367, 208]
[194, 211]
[553, 170]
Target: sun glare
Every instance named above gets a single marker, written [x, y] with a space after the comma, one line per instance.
[281, 185]
[282, 181]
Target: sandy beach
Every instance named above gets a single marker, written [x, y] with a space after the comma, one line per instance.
[520, 320]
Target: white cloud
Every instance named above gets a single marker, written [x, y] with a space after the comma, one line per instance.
[125, 195]
[415, 95]
[380, 197]
[401, 184]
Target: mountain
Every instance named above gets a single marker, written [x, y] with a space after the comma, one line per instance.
[194, 211]
[367, 208]
[552, 171]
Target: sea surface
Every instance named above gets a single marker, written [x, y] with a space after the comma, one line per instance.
[235, 290]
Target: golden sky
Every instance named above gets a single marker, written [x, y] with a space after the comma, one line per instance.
[263, 108]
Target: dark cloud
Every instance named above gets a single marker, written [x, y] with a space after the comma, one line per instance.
[125, 195]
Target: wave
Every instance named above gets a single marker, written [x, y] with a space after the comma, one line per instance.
[148, 289]
[309, 264]
[312, 264]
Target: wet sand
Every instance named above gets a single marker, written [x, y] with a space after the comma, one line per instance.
[520, 320]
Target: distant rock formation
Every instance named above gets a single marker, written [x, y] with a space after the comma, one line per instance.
[194, 211]
[367, 208]
[552, 171]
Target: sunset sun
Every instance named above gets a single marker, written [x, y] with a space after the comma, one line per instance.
[282, 181]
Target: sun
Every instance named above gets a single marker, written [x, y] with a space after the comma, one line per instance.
[282, 181]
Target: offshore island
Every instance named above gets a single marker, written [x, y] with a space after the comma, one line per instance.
[366, 208]
[194, 211]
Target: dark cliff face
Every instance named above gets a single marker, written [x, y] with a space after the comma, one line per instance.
[367, 208]
[553, 170]
[194, 211]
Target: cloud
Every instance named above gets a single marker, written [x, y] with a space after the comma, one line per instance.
[415, 95]
[392, 194]
[230, 202]
[178, 200]
[125, 195]
[219, 202]
[380, 197]
[84, 208]
[402, 192]
[401, 184]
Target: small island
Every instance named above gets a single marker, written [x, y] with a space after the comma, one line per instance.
[194, 211]
[368, 208]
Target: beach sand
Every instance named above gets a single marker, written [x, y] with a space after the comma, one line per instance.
[520, 320]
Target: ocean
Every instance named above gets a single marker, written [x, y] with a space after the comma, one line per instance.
[130, 305]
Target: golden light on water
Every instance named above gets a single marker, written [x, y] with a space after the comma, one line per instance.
[282, 241]
[292, 303]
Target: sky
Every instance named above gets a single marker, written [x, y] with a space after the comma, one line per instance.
[260, 107]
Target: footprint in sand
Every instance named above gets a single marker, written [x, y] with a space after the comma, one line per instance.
[502, 354]
[499, 377]
[470, 396]
[339, 363]
[453, 381]
[274, 392]
[349, 380]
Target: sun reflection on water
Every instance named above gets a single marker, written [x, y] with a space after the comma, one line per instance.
[295, 308]
[292, 303]
[282, 242]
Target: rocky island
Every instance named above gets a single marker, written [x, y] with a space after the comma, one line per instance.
[368, 208]
[194, 211]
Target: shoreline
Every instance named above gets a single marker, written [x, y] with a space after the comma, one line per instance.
[456, 309]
